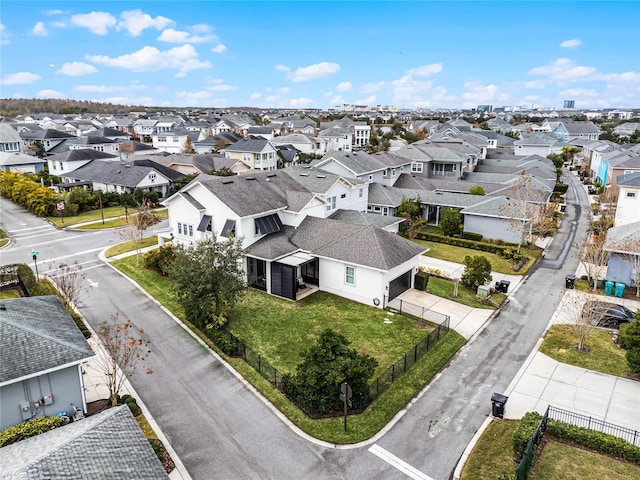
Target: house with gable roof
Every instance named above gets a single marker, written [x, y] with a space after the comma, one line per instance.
[628, 206]
[40, 360]
[538, 143]
[337, 138]
[431, 161]
[94, 142]
[62, 163]
[256, 152]
[53, 141]
[568, 130]
[623, 241]
[287, 237]
[359, 165]
[305, 143]
[174, 141]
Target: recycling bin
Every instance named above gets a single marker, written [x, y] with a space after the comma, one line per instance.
[619, 290]
[570, 281]
[498, 402]
[502, 286]
[608, 288]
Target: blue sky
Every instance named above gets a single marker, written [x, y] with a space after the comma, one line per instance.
[305, 54]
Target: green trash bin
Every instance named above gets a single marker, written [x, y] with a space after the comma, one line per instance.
[608, 288]
[619, 292]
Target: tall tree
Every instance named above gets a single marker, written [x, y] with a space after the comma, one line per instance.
[69, 280]
[477, 271]
[451, 222]
[594, 258]
[208, 278]
[411, 210]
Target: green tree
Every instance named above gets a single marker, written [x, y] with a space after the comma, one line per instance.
[451, 222]
[37, 149]
[327, 364]
[208, 278]
[477, 271]
[476, 190]
[411, 210]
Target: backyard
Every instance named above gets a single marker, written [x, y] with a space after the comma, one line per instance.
[466, 296]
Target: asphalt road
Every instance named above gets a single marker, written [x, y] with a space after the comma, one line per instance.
[221, 429]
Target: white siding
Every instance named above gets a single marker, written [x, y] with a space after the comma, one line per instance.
[628, 209]
[491, 227]
[369, 283]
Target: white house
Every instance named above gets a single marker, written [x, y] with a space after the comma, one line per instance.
[305, 143]
[338, 138]
[359, 165]
[541, 144]
[62, 163]
[256, 152]
[288, 241]
[628, 207]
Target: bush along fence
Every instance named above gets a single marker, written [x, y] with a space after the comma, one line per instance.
[590, 432]
[233, 346]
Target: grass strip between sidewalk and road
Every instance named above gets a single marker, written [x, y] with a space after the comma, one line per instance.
[602, 355]
[125, 247]
[360, 427]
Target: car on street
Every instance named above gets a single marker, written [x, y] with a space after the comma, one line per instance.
[606, 314]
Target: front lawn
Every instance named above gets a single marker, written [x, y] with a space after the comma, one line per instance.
[88, 216]
[125, 247]
[360, 427]
[281, 330]
[466, 296]
[493, 454]
[453, 253]
[603, 356]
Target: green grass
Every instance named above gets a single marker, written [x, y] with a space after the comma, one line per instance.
[565, 462]
[493, 454]
[130, 246]
[603, 355]
[4, 238]
[360, 427]
[453, 253]
[11, 293]
[281, 330]
[466, 296]
[110, 214]
[117, 222]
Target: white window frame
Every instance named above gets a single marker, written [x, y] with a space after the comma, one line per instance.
[332, 203]
[630, 195]
[350, 275]
[416, 167]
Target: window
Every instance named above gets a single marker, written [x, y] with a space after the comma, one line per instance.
[175, 139]
[162, 139]
[631, 194]
[349, 275]
[416, 167]
[191, 230]
[179, 228]
[332, 203]
[185, 229]
[370, 177]
[360, 192]
[393, 172]
[344, 195]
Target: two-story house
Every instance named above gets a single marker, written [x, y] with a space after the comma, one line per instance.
[359, 165]
[256, 152]
[304, 142]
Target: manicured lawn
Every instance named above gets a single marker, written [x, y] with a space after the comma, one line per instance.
[565, 462]
[3, 238]
[444, 288]
[96, 215]
[118, 222]
[360, 427]
[493, 454]
[603, 355]
[130, 247]
[281, 330]
[6, 294]
[456, 254]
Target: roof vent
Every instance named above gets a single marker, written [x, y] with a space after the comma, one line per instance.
[249, 178]
[304, 174]
[271, 175]
[226, 182]
[3, 306]
[321, 176]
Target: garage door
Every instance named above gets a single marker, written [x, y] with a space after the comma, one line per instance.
[399, 285]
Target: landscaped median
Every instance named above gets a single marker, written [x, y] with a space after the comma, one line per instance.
[280, 330]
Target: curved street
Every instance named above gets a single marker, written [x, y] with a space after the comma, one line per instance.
[220, 428]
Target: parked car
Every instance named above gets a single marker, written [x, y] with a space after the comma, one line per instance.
[606, 314]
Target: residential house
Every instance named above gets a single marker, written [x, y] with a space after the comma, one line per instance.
[78, 128]
[255, 152]
[223, 126]
[623, 242]
[305, 143]
[396, 165]
[541, 144]
[40, 361]
[260, 131]
[359, 165]
[287, 239]
[203, 127]
[10, 140]
[166, 124]
[20, 162]
[495, 217]
[287, 155]
[499, 125]
[124, 177]
[625, 130]
[592, 153]
[615, 164]
[568, 130]
[174, 141]
[62, 163]
[110, 133]
[53, 141]
[93, 142]
[360, 131]
[434, 161]
[122, 124]
[337, 138]
[143, 128]
[197, 164]
[295, 124]
[628, 207]
[430, 127]
[109, 445]
[216, 142]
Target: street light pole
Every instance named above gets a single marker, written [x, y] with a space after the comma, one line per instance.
[34, 255]
[101, 210]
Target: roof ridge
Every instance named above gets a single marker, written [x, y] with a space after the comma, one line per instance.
[43, 335]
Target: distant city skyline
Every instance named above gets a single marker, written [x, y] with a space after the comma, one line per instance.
[306, 54]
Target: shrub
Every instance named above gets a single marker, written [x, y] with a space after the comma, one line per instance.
[160, 259]
[633, 359]
[27, 276]
[222, 339]
[27, 429]
[524, 432]
[472, 236]
[630, 334]
[477, 271]
[497, 246]
[422, 280]
[561, 188]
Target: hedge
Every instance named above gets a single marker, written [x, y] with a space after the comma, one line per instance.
[472, 236]
[463, 242]
[524, 432]
[561, 188]
[27, 429]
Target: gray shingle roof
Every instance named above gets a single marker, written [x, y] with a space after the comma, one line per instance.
[619, 239]
[48, 133]
[363, 218]
[38, 334]
[249, 143]
[8, 134]
[629, 179]
[81, 154]
[113, 173]
[360, 163]
[499, 206]
[109, 445]
[19, 158]
[313, 179]
[390, 159]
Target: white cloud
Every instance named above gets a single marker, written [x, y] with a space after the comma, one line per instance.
[220, 48]
[537, 84]
[53, 12]
[4, 35]
[334, 99]
[20, 78]
[282, 68]
[179, 36]
[202, 97]
[344, 87]
[149, 59]
[135, 22]
[109, 88]
[574, 42]
[371, 87]
[300, 102]
[222, 88]
[271, 99]
[255, 96]
[476, 93]
[564, 70]
[75, 69]
[98, 22]
[425, 70]
[370, 100]
[39, 30]
[317, 70]
[50, 94]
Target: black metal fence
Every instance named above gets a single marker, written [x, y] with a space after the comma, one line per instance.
[584, 421]
[233, 346]
[418, 311]
[522, 471]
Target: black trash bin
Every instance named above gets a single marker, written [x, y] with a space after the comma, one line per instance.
[498, 402]
[502, 286]
[570, 281]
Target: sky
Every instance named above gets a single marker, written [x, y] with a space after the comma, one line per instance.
[321, 54]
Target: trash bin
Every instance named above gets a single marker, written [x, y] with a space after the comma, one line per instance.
[502, 286]
[497, 405]
[600, 283]
[570, 281]
[619, 292]
[608, 288]
[483, 291]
